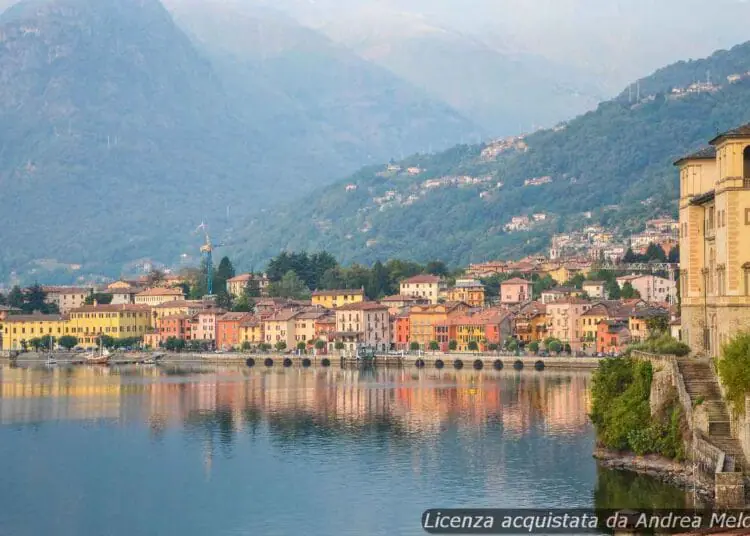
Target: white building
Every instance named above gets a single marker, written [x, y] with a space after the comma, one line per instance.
[652, 288]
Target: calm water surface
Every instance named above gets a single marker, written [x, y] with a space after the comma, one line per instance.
[235, 451]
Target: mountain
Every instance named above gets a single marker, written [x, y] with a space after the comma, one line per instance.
[344, 110]
[615, 162]
[119, 133]
[502, 91]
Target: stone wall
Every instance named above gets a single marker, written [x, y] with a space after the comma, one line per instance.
[723, 321]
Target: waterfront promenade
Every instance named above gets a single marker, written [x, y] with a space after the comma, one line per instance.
[436, 360]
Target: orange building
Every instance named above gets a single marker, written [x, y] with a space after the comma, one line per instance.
[178, 326]
[612, 336]
[424, 318]
[400, 332]
[228, 329]
[325, 327]
[531, 322]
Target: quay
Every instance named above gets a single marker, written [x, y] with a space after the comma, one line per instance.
[455, 361]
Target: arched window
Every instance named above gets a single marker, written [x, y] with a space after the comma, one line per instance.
[746, 166]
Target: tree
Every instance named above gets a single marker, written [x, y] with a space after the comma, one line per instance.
[437, 268]
[655, 252]
[613, 290]
[576, 281]
[290, 286]
[34, 300]
[674, 255]
[280, 346]
[377, 282]
[301, 346]
[629, 256]
[628, 292]
[734, 370]
[252, 289]
[567, 349]
[493, 347]
[3, 299]
[555, 346]
[453, 345]
[106, 341]
[534, 347]
[512, 345]
[434, 346]
[319, 345]
[339, 345]
[173, 344]
[223, 298]
[657, 325]
[473, 346]
[243, 304]
[68, 342]
[15, 298]
[414, 346]
[246, 346]
[35, 343]
[98, 297]
[224, 272]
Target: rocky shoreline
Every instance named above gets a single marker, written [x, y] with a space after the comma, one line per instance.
[674, 473]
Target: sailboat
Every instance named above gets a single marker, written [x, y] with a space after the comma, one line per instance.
[100, 357]
[50, 357]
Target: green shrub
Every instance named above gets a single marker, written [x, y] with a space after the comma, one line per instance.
[621, 412]
[734, 370]
[663, 344]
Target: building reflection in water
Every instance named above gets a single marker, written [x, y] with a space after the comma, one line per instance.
[228, 400]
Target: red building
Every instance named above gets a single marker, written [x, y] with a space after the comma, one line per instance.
[177, 326]
[401, 331]
[612, 336]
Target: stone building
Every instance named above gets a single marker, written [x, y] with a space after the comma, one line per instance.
[715, 241]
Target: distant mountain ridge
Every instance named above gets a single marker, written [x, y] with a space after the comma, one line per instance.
[459, 205]
[118, 133]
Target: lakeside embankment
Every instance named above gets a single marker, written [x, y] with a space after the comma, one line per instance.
[437, 361]
[678, 474]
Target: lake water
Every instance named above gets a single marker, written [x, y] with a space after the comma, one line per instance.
[237, 451]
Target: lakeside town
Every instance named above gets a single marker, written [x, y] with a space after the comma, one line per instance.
[572, 303]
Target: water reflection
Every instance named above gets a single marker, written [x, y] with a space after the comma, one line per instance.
[288, 451]
[299, 402]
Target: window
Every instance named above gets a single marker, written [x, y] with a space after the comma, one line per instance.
[747, 216]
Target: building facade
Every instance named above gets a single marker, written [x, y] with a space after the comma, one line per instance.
[67, 298]
[714, 236]
[515, 291]
[331, 299]
[158, 295]
[363, 324]
[469, 291]
[426, 286]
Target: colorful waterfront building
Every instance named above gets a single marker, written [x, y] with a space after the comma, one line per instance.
[18, 330]
[612, 336]
[363, 324]
[179, 326]
[228, 330]
[252, 331]
[515, 291]
[400, 331]
[118, 321]
[424, 318]
[530, 324]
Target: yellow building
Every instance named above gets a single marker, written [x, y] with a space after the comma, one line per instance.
[530, 324]
[560, 274]
[467, 330]
[174, 308]
[281, 328]
[424, 318]
[715, 241]
[118, 321]
[18, 330]
[251, 331]
[469, 291]
[157, 295]
[331, 299]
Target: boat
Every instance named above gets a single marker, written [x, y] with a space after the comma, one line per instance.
[97, 358]
[50, 361]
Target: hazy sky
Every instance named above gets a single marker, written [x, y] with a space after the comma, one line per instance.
[618, 40]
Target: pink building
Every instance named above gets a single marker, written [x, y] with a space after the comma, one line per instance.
[563, 317]
[515, 291]
[204, 327]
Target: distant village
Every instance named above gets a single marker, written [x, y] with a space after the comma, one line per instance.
[581, 298]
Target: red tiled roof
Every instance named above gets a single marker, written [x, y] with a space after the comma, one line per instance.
[240, 278]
